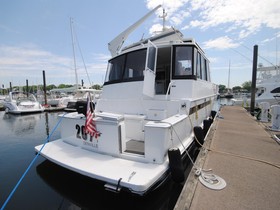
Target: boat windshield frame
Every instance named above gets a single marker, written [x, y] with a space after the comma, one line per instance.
[126, 67]
[22, 96]
[194, 65]
[183, 62]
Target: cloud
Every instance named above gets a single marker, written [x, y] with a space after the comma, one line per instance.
[243, 17]
[29, 58]
[155, 28]
[28, 62]
[249, 15]
[220, 43]
[276, 35]
[173, 8]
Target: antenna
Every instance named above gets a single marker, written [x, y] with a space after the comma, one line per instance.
[163, 16]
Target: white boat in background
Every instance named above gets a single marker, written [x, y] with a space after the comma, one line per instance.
[267, 85]
[155, 93]
[80, 95]
[21, 103]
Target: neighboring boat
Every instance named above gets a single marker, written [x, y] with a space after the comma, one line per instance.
[228, 94]
[2, 97]
[80, 92]
[155, 93]
[80, 96]
[21, 103]
[267, 85]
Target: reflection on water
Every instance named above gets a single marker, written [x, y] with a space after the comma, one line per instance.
[22, 124]
[19, 135]
[225, 101]
[47, 123]
[85, 193]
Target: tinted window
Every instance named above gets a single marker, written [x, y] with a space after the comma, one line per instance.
[183, 65]
[203, 69]
[198, 66]
[115, 68]
[135, 64]
[126, 67]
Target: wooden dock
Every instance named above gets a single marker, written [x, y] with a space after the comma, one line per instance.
[54, 109]
[246, 156]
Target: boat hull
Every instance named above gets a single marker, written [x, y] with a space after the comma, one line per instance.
[25, 111]
[137, 177]
[21, 103]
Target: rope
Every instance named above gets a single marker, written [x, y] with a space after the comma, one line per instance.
[172, 128]
[236, 155]
[212, 181]
[30, 165]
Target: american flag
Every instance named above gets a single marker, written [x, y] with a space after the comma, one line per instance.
[90, 126]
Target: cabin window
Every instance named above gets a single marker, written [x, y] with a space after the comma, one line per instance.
[198, 66]
[151, 58]
[127, 67]
[194, 58]
[115, 68]
[208, 70]
[183, 62]
[203, 69]
[135, 64]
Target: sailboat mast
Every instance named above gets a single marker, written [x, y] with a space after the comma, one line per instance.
[74, 55]
[228, 74]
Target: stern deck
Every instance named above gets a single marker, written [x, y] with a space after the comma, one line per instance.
[138, 177]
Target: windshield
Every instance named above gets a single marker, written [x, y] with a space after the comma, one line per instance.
[127, 67]
[23, 96]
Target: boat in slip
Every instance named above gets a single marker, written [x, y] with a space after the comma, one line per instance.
[21, 103]
[155, 93]
[267, 85]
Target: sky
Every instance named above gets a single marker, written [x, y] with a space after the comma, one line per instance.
[35, 35]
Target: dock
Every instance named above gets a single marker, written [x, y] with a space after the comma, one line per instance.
[54, 109]
[243, 153]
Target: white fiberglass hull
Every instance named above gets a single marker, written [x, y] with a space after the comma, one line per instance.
[138, 177]
[25, 111]
[21, 103]
[11, 108]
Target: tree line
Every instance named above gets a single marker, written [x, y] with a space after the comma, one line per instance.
[35, 88]
[246, 86]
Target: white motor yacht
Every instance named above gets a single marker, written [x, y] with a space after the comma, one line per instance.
[156, 92]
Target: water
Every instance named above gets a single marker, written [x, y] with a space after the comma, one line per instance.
[48, 186]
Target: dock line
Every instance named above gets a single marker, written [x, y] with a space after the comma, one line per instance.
[209, 180]
[32, 162]
[236, 155]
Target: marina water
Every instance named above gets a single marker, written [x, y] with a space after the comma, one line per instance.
[48, 186]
